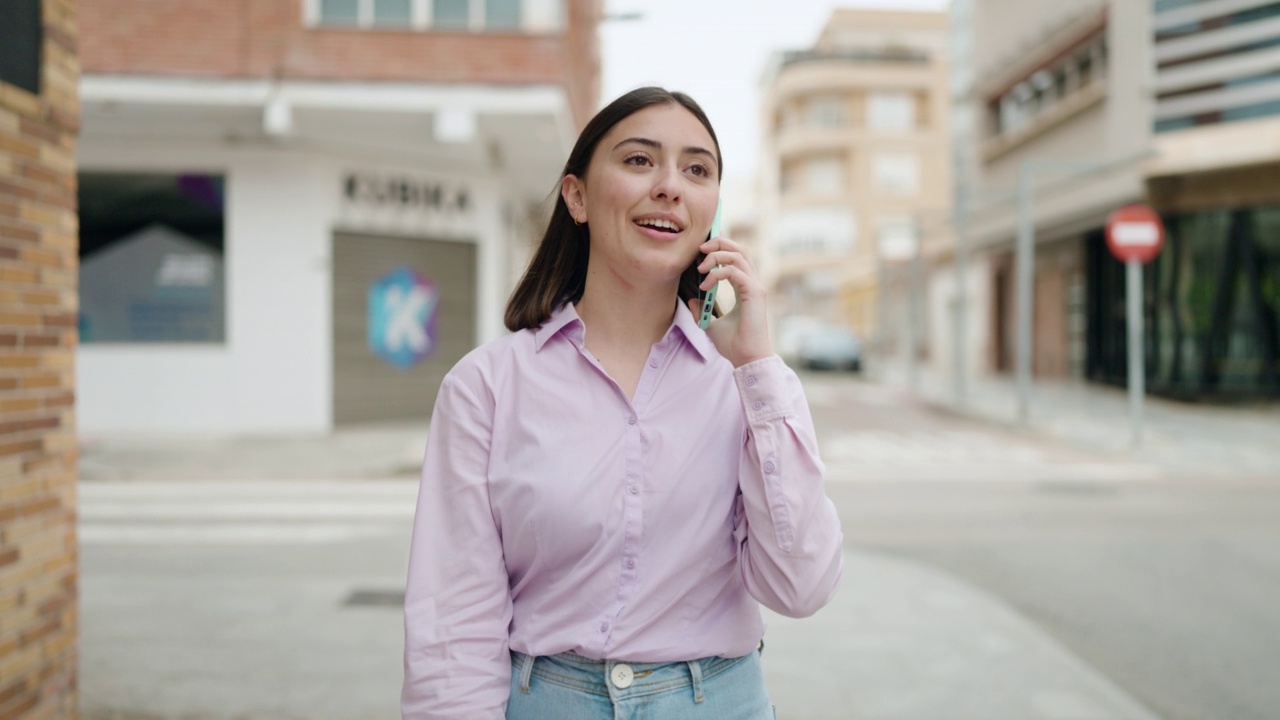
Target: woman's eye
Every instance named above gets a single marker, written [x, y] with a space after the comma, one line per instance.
[700, 170]
[636, 160]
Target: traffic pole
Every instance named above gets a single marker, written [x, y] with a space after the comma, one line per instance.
[1137, 364]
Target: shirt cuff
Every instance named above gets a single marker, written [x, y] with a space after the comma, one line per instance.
[763, 385]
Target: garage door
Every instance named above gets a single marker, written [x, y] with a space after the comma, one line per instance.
[371, 383]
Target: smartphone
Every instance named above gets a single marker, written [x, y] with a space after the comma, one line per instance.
[709, 297]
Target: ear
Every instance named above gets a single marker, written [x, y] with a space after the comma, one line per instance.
[574, 192]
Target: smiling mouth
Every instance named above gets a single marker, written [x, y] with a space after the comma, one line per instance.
[665, 226]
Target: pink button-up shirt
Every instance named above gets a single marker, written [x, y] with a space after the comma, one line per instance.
[555, 514]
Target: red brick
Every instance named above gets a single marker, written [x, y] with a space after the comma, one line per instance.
[38, 131]
[18, 146]
[8, 556]
[12, 691]
[60, 400]
[20, 426]
[33, 340]
[13, 231]
[37, 507]
[20, 447]
[8, 187]
[65, 319]
[19, 707]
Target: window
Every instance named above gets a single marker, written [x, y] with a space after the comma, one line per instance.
[451, 14]
[394, 13]
[151, 258]
[1043, 89]
[21, 36]
[502, 14]
[499, 15]
[896, 238]
[340, 12]
[896, 173]
[825, 176]
[827, 111]
[891, 112]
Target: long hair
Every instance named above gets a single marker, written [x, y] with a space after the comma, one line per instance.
[558, 271]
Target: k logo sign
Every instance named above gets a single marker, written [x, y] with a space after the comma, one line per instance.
[402, 317]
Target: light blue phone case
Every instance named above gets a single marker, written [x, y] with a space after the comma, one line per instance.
[709, 297]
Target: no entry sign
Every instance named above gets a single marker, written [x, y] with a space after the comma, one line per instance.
[1134, 232]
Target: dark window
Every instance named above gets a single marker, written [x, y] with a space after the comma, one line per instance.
[392, 13]
[151, 258]
[21, 37]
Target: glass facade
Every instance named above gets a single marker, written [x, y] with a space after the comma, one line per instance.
[1212, 307]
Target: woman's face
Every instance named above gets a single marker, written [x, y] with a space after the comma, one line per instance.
[649, 195]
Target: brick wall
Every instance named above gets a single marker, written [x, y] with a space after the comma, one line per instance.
[266, 38]
[38, 249]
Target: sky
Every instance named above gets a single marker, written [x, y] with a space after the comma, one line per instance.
[716, 51]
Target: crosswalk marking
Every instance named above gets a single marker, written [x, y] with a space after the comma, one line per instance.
[243, 513]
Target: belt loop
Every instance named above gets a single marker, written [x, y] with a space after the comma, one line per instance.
[526, 669]
[695, 670]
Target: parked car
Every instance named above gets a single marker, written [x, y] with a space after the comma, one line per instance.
[830, 347]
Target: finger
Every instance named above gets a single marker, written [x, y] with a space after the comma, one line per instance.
[726, 258]
[724, 243]
[717, 258]
[745, 285]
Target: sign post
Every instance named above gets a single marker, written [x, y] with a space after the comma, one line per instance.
[1135, 236]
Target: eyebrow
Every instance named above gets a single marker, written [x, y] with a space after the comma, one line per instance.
[691, 149]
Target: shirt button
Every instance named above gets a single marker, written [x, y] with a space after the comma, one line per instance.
[757, 405]
[631, 563]
[631, 420]
[622, 676]
[751, 381]
[604, 627]
[769, 467]
[633, 489]
[653, 363]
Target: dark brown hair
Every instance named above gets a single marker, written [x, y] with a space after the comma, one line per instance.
[558, 271]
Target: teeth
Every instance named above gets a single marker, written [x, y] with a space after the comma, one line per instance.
[664, 224]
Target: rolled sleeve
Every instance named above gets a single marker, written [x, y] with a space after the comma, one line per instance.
[791, 544]
[457, 603]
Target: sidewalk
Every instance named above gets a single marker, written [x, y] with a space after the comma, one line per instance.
[234, 600]
[366, 452]
[1184, 440]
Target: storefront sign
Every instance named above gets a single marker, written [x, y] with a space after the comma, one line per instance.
[405, 192]
[402, 317]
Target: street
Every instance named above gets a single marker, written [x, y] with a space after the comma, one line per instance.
[990, 574]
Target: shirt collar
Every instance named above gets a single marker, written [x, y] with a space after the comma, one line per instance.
[565, 318]
[694, 335]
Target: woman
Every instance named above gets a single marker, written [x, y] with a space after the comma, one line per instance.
[610, 492]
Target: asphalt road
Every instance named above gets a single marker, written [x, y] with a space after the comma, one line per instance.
[1171, 589]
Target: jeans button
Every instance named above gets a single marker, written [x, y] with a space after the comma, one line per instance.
[622, 676]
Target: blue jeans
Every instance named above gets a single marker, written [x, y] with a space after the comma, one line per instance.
[571, 687]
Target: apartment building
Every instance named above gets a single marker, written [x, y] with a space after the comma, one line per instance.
[855, 173]
[298, 214]
[1090, 105]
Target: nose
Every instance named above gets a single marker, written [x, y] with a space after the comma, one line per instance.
[667, 185]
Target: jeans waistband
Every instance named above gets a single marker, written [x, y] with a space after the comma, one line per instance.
[590, 675]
